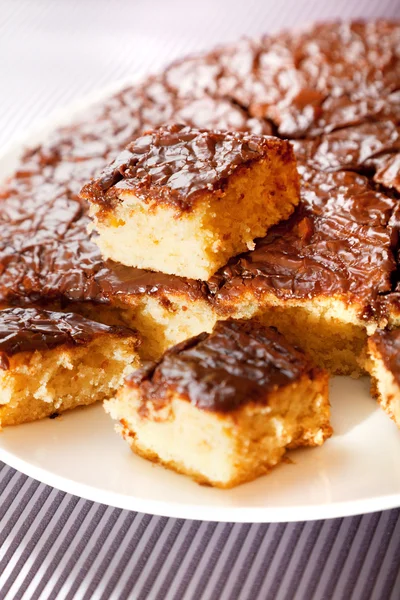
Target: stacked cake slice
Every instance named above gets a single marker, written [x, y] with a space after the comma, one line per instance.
[183, 201]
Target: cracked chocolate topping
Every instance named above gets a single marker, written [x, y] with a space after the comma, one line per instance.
[387, 344]
[239, 362]
[29, 329]
[176, 164]
[326, 77]
[368, 149]
[335, 88]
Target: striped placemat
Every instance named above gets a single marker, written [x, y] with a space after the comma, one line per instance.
[57, 546]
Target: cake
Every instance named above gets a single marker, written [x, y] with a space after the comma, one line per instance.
[384, 367]
[183, 201]
[318, 276]
[224, 407]
[226, 403]
[51, 362]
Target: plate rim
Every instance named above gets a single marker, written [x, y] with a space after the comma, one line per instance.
[226, 514]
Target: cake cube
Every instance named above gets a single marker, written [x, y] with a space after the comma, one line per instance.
[224, 407]
[52, 361]
[183, 201]
[384, 367]
[319, 276]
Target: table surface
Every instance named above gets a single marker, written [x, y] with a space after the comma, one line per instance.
[54, 545]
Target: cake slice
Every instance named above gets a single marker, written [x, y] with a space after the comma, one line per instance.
[224, 407]
[318, 276]
[183, 201]
[50, 362]
[384, 367]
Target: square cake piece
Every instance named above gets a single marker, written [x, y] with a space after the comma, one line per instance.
[224, 407]
[183, 201]
[384, 367]
[51, 361]
[318, 277]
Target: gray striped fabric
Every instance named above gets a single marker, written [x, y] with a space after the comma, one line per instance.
[57, 546]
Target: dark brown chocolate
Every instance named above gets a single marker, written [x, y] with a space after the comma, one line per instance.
[235, 364]
[177, 164]
[371, 149]
[161, 105]
[30, 329]
[329, 76]
[387, 344]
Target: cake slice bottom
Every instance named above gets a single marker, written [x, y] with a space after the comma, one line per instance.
[224, 407]
[224, 450]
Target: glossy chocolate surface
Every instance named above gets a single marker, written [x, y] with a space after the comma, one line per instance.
[30, 329]
[329, 76]
[176, 164]
[369, 149]
[237, 363]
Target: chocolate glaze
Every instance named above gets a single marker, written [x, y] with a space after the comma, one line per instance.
[331, 79]
[387, 344]
[176, 164]
[30, 329]
[371, 148]
[235, 364]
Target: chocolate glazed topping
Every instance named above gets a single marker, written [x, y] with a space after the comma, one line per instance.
[29, 329]
[237, 363]
[329, 76]
[388, 345]
[175, 164]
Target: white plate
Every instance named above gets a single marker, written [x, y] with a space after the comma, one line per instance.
[356, 471]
